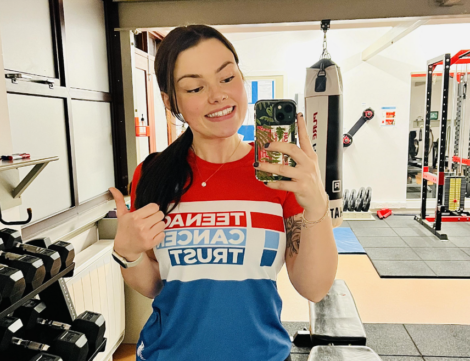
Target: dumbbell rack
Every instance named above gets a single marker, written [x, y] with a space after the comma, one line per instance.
[55, 289]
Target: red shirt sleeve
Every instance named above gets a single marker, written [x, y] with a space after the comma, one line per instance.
[291, 207]
[135, 180]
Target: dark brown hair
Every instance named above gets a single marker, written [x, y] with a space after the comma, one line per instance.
[166, 176]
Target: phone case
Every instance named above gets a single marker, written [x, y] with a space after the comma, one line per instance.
[269, 130]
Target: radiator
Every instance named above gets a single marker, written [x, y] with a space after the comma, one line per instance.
[97, 285]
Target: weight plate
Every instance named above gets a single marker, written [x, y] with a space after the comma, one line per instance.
[346, 200]
[359, 199]
[367, 200]
[352, 200]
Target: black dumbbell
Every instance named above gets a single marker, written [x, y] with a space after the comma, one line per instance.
[12, 285]
[65, 249]
[28, 351]
[93, 325]
[33, 268]
[12, 242]
[89, 323]
[45, 357]
[9, 237]
[70, 345]
[14, 348]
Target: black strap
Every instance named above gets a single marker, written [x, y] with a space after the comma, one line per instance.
[320, 82]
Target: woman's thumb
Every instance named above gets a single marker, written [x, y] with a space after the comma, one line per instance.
[120, 202]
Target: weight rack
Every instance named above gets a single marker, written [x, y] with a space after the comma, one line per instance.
[462, 57]
[55, 295]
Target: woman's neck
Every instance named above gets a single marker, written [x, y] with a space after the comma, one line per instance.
[220, 150]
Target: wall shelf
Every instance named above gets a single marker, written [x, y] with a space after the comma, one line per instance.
[39, 164]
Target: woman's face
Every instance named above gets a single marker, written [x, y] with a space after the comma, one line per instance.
[210, 90]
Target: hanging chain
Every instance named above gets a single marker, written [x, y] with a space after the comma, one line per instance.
[325, 54]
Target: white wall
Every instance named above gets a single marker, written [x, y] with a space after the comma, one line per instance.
[7, 182]
[378, 157]
[161, 131]
[86, 50]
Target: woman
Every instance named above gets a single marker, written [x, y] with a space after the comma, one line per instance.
[207, 238]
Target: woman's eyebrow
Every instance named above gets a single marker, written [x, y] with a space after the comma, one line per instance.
[198, 76]
[223, 66]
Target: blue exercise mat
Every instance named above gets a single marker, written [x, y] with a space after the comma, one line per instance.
[346, 241]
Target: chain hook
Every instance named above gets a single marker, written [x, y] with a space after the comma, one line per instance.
[325, 25]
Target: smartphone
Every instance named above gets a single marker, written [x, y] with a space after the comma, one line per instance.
[275, 122]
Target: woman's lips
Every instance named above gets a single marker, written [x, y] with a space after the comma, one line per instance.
[223, 117]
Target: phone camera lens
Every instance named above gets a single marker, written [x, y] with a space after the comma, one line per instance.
[288, 108]
[280, 116]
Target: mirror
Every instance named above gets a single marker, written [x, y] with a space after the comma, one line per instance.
[416, 131]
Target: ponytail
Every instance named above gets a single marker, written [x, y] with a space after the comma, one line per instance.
[165, 175]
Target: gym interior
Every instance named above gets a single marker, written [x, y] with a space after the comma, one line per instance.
[80, 109]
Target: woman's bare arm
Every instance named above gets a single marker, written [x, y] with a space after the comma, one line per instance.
[144, 278]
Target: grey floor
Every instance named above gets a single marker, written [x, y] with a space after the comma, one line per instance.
[400, 247]
[397, 342]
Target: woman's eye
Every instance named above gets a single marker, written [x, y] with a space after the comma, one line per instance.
[197, 90]
[228, 79]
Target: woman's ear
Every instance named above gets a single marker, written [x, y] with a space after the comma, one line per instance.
[166, 100]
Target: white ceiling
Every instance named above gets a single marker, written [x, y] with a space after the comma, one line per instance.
[249, 29]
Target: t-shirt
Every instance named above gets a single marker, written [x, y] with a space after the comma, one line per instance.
[223, 249]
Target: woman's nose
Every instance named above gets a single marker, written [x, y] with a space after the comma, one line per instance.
[217, 95]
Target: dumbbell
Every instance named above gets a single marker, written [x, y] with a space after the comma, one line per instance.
[367, 114]
[12, 242]
[65, 249]
[12, 285]
[45, 357]
[23, 350]
[70, 345]
[33, 268]
[15, 348]
[384, 213]
[91, 324]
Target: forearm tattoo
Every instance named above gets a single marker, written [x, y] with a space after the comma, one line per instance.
[293, 229]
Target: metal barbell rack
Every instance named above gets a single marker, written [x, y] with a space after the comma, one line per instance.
[441, 212]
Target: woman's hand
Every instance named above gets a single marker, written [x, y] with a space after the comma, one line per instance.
[306, 181]
[137, 231]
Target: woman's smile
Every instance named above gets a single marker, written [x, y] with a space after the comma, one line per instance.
[223, 114]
